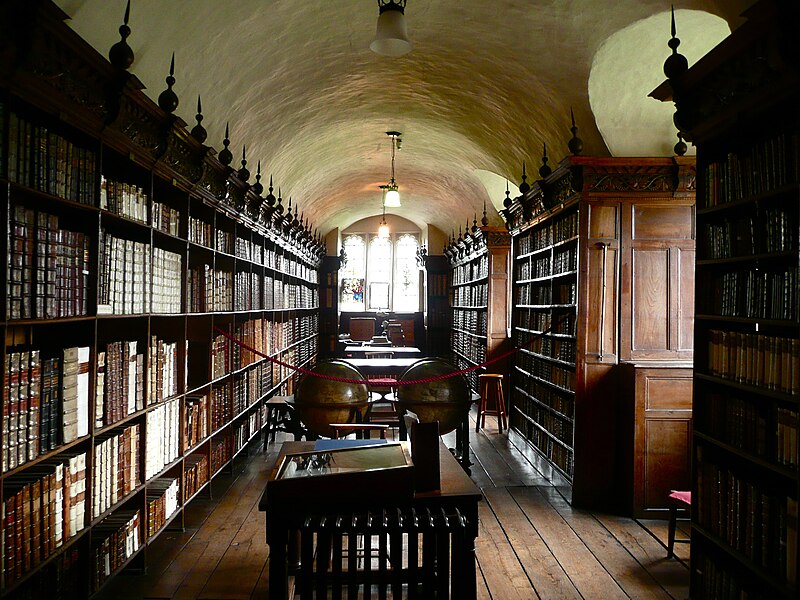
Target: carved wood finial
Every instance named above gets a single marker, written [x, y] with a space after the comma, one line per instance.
[484, 220]
[270, 195]
[257, 187]
[676, 64]
[168, 99]
[198, 131]
[575, 143]
[244, 172]
[524, 186]
[680, 147]
[121, 54]
[545, 169]
[279, 208]
[225, 156]
[507, 200]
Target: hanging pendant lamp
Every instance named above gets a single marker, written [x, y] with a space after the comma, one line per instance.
[391, 34]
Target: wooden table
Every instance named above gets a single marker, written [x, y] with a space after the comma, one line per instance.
[396, 351]
[286, 518]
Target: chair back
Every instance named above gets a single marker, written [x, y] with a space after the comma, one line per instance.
[362, 328]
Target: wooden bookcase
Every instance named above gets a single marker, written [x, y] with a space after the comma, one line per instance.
[329, 306]
[738, 105]
[439, 320]
[479, 299]
[603, 250]
[130, 248]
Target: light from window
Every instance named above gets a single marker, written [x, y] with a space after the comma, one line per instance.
[379, 272]
[354, 274]
[406, 274]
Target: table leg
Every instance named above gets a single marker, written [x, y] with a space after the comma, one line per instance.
[278, 573]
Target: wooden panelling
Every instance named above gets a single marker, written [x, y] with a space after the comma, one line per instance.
[666, 465]
[659, 222]
[650, 315]
[683, 291]
[601, 316]
[603, 221]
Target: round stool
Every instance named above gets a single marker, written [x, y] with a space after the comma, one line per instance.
[491, 388]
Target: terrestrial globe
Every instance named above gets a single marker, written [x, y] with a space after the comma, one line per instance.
[445, 400]
[320, 402]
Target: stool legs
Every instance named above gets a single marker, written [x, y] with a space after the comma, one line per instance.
[491, 386]
[673, 520]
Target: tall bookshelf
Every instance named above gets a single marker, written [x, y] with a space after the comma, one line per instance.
[478, 298]
[599, 246]
[329, 306]
[133, 248]
[747, 326]
[439, 321]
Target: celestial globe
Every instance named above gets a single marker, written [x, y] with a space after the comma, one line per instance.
[320, 401]
[446, 400]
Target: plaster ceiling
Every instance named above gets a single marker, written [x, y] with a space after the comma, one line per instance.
[487, 82]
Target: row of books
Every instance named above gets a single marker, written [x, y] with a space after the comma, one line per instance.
[115, 540]
[200, 232]
[753, 293]
[767, 165]
[565, 259]
[473, 295]
[770, 362]
[195, 474]
[167, 290]
[546, 235]
[221, 452]
[250, 386]
[124, 199]
[716, 579]
[469, 346]
[221, 406]
[195, 424]
[162, 498]
[243, 431]
[210, 290]
[163, 370]
[119, 382]
[253, 291]
[163, 431]
[756, 521]
[116, 468]
[45, 403]
[48, 268]
[534, 268]
[474, 321]
[535, 391]
[533, 294]
[124, 275]
[565, 293]
[562, 429]
[557, 348]
[546, 320]
[546, 371]
[44, 160]
[738, 237]
[471, 271]
[471, 376]
[220, 357]
[42, 510]
[556, 452]
[166, 219]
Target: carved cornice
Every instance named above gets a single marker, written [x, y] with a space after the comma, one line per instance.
[181, 157]
[140, 126]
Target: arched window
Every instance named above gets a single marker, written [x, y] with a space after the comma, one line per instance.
[380, 275]
[406, 274]
[354, 273]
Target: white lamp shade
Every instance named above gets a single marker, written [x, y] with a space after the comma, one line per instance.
[383, 230]
[391, 198]
[391, 36]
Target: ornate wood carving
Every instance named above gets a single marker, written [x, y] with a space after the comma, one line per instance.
[181, 157]
[627, 182]
[213, 180]
[140, 126]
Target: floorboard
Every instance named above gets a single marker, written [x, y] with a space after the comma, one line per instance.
[532, 543]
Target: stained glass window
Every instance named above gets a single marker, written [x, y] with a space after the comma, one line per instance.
[379, 272]
[353, 274]
[406, 274]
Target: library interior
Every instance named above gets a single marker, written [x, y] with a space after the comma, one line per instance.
[327, 299]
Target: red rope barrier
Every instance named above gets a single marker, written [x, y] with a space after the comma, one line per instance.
[312, 373]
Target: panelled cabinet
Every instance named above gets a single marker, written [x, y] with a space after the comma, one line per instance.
[134, 256]
[738, 105]
[603, 254]
[479, 261]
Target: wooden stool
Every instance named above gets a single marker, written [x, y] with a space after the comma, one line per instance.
[682, 500]
[491, 385]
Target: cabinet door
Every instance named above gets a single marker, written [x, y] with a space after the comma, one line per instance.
[657, 281]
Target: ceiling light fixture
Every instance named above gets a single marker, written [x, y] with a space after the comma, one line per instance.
[383, 228]
[391, 34]
[391, 197]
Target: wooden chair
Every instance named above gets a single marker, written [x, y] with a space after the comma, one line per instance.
[362, 328]
[491, 388]
[677, 500]
[394, 330]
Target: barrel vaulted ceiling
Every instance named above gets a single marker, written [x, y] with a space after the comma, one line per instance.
[486, 84]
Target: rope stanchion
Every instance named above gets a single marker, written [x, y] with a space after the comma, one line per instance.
[312, 373]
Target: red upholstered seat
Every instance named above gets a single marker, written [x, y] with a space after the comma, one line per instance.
[677, 499]
[382, 381]
[681, 497]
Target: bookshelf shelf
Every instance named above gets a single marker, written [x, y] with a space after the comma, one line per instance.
[585, 295]
[745, 450]
[126, 250]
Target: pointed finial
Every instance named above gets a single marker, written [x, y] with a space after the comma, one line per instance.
[545, 169]
[475, 222]
[507, 201]
[680, 147]
[257, 187]
[676, 64]
[270, 197]
[120, 54]
[524, 186]
[198, 131]
[279, 208]
[168, 100]
[575, 144]
[225, 156]
[244, 173]
[484, 220]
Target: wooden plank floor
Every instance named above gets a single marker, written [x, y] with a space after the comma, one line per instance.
[532, 543]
